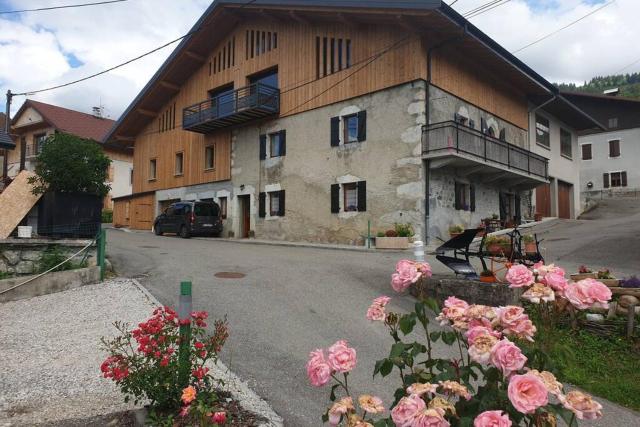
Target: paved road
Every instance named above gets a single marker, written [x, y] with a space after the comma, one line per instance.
[608, 236]
[291, 301]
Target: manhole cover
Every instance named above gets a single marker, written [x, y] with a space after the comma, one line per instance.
[229, 275]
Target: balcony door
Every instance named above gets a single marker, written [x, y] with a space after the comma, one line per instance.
[223, 101]
[260, 94]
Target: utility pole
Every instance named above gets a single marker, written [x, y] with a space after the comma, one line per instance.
[8, 116]
[6, 139]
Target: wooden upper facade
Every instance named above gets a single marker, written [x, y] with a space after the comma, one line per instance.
[322, 55]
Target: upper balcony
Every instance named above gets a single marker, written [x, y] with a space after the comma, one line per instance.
[236, 107]
[472, 152]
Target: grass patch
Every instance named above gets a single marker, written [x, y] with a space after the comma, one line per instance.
[5, 275]
[605, 367]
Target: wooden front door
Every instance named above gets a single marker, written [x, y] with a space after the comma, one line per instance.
[564, 200]
[245, 215]
[543, 200]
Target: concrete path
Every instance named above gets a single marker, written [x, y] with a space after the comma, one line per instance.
[291, 300]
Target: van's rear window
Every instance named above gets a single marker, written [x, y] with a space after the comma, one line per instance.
[206, 210]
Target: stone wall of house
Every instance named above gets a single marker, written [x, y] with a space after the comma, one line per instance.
[22, 257]
[389, 160]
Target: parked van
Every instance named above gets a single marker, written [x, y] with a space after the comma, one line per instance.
[189, 219]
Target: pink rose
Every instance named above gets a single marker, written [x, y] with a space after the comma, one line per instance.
[406, 274]
[424, 268]
[543, 270]
[507, 357]
[430, 417]
[406, 410]
[588, 292]
[556, 281]
[527, 393]
[455, 302]
[519, 276]
[492, 419]
[476, 331]
[510, 315]
[514, 321]
[342, 358]
[480, 350]
[376, 313]
[318, 370]
[340, 408]
[582, 405]
[539, 293]
[382, 301]
[422, 388]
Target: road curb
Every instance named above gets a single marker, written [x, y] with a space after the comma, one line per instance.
[239, 389]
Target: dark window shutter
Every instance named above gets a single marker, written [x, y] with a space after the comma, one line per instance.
[335, 198]
[605, 180]
[483, 125]
[472, 124]
[262, 208]
[263, 147]
[362, 196]
[503, 134]
[281, 207]
[623, 176]
[335, 131]
[362, 126]
[283, 143]
[457, 196]
[472, 198]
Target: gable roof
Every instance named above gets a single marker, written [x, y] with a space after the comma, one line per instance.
[203, 35]
[5, 139]
[69, 121]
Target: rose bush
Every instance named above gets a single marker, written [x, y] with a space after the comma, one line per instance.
[500, 376]
[145, 363]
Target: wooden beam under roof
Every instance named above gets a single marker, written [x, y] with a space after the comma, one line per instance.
[125, 138]
[195, 56]
[147, 113]
[168, 85]
[297, 17]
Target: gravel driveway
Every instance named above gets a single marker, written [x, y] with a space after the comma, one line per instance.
[50, 369]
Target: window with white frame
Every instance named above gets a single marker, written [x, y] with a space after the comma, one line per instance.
[542, 131]
[276, 145]
[274, 203]
[350, 193]
[350, 128]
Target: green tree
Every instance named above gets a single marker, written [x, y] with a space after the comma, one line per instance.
[69, 164]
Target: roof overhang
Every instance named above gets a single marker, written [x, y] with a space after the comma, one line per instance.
[569, 113]
[6, 142]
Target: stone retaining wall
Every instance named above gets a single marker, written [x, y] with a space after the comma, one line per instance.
[473, 292]
[22, 256]
[47, 284]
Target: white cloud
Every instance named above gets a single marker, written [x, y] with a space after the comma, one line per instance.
[35, 47]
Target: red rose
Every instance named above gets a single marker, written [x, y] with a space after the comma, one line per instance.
[219, 417]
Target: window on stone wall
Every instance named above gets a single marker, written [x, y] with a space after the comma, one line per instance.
[462, 198]
[542, 132]
[350, 197]
[565, 143]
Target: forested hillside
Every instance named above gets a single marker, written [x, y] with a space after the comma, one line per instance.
[629, 85]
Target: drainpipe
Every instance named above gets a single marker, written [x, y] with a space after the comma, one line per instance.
[427, 170]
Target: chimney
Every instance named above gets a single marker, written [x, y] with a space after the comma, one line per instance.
[612, 92]
[98, 112]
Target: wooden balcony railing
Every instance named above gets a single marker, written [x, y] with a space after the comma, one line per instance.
[455, 138]
[240, 106]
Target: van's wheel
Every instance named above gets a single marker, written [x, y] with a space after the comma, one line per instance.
[157, 231]
[184, 232]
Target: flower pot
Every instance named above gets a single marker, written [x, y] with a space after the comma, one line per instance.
[530, 248]
[537, 217]
[581, 276]
[392, 242]
[494, 248]
[452, 235]
[612, 283]
[488, 279]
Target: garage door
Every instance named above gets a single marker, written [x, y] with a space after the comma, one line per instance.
[564, 200]
[543, 200]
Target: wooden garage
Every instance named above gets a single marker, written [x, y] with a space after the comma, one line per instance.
[136, 211]
[564, 200]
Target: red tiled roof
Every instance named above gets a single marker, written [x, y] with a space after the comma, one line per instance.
[74, 122]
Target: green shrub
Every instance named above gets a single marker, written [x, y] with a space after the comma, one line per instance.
[404, 230]
[52, 257]
[380, 233]
[5, 275]
[107, 216]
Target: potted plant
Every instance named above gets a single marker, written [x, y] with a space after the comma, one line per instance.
[584, 272]
[607, 278]
[455, 230]
[396, 238]
[530, 245]
[487, 276]
[498, 245]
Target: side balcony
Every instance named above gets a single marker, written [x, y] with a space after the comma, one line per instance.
[485, 158]
[239, 106]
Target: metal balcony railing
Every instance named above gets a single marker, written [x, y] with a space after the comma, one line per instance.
[455, 138]
[240, 106]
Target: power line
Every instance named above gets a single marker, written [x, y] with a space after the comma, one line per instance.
[487, 10]
[564, 28]
[453, 2]
[6, 12]
[123, 63]
[627, 66]
[479, 8]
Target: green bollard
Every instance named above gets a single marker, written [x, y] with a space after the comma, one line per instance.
[102, 247]
[184, 314]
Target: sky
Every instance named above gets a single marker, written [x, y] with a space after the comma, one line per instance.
[42, 49]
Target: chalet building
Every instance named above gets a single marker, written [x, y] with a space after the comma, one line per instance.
[35, 121]
[608, 160]
[307, 120]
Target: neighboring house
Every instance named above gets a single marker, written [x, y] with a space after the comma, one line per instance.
[609, 160]
[35, 121]
[307, 121]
